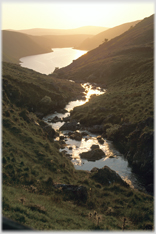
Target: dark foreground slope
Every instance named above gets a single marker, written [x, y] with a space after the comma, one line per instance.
[41, 189]
[125, 67]
[95, 41]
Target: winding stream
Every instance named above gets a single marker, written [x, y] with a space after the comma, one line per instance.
[113, 158]
[45, 64]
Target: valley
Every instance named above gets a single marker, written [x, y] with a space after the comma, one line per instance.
[41, 187]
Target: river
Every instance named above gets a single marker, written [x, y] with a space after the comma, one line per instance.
[45, 64]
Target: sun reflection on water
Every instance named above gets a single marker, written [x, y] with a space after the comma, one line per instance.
[112, 158]
[79, 53]
[85, 146]
[90, 91]
[127, 181]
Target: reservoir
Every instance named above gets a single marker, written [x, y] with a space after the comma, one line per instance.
[46, 63]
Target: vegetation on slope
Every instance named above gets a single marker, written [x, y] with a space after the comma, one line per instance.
[35, 91]
[116, 58]
[124, 66]
[33, 166]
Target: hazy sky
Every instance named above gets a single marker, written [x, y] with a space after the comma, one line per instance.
[72, 14]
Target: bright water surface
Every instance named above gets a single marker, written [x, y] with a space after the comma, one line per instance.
[113, 159]
[45, 64]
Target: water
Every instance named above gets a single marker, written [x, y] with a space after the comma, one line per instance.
[113, 158]
[46, 63]
[70, 106]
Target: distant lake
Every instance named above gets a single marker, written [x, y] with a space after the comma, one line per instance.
[46, 63]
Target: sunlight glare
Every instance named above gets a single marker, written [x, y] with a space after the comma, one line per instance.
[89, 91]
[67, 15]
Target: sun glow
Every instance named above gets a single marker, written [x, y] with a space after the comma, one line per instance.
[64, 15]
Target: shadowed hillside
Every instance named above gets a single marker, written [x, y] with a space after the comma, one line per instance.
[93, 30]
[111, 59]
[125, 67]
[41, 187]
[43, 90]
[92, 43]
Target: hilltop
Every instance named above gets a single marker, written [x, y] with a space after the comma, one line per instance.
[95, 41]
[92, 30]
[124, 66]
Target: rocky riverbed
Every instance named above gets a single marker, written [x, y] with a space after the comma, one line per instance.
[87, 147]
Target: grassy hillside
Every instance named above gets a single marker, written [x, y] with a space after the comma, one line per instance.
[116, 56]
[37, 92]
[125, 67]
[93, 30]
[33, 166]
[16, 45]
[92, 43]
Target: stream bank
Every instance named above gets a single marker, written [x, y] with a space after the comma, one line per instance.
[86, 147]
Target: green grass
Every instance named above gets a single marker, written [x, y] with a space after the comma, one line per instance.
[32, 163]
[129, 99]
[52, 212]
[32, 90]
[124, 66]
[126, 114]
[30, 160]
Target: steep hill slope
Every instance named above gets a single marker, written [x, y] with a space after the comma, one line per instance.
[92, 43]
[41, 188]
[93, 30]
[125, 66]
[111, 59]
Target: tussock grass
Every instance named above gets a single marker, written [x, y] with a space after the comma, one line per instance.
[32, 164]
[52, 212]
